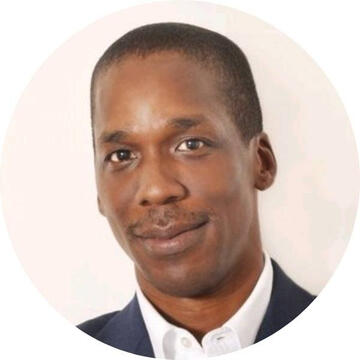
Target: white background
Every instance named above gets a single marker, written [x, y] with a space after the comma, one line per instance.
[48, 181]
[326, 31]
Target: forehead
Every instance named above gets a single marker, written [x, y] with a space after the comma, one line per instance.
[144, 93]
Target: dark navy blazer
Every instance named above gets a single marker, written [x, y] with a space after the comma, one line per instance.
[126, 329]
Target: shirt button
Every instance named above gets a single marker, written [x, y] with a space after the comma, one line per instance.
[186, 342]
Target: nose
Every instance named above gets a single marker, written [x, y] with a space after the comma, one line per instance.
[158, 185]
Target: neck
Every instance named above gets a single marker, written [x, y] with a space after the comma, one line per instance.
[201, 314]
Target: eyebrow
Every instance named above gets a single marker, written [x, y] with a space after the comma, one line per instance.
[113, 136]
[184, 123]
[118, 136]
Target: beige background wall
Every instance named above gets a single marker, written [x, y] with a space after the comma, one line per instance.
[48, 184]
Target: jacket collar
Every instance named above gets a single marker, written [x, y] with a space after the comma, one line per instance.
[127, 331]
[287, 301]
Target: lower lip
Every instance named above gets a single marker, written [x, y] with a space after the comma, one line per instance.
[176, 245]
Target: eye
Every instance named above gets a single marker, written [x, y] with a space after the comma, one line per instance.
[121, 155]
[190, 144]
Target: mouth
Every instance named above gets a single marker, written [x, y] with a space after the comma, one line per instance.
[172, 240]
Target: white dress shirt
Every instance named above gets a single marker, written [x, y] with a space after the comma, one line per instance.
[172, 342]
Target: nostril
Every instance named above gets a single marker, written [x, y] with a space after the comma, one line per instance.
[168, 200]
[171, 199]
[160, 192]
[145, 202]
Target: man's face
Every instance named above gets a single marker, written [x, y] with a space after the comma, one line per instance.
[174, 178]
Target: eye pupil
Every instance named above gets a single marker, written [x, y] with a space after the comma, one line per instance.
[122, 154]
[192, 144]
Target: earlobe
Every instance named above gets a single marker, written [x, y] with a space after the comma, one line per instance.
[265, 162]
[100, 207]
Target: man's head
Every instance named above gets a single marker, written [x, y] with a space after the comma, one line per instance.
[179, 155]
[210, 49]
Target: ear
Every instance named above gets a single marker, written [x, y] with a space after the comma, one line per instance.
[100, 206]
[265, 162]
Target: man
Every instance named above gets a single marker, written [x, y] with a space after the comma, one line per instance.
[179, 156]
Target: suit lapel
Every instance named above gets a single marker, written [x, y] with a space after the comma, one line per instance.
[287, 301]
[126, 331]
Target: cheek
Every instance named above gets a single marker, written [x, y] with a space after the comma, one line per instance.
[116, 196]
[116, 193]
[218, 180]
[226, 189]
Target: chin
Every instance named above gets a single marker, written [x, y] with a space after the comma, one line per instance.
[184, 290]
[185, 285]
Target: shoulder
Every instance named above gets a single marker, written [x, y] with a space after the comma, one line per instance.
[285, 290]
[112, 321]
[124, 329]
[94, 326]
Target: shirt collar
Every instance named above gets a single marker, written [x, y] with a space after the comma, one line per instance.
[156, 325]
[245, 322]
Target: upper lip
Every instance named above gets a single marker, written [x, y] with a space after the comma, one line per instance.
[169, 232]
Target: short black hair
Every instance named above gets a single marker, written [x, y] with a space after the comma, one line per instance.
[209, 48]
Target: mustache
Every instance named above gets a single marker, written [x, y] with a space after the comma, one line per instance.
[167, 218]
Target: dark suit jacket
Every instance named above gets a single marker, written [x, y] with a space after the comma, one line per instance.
[126, 329]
